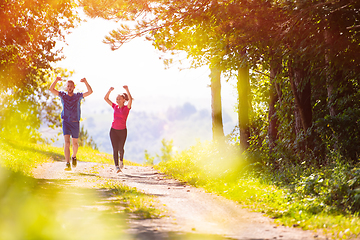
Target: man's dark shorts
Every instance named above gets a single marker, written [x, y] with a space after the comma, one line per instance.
[71, 128]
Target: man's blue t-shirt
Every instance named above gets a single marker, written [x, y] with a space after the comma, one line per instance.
[71, 106]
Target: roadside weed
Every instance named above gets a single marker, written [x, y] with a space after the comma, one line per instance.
[133, 201]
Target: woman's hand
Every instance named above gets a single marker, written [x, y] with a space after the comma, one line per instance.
[106, 98]
[130, 97]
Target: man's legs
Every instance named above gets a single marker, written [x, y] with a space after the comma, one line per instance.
[67, 148]
[75, 146]
[71, 129]
[67, 152]
[75, 149]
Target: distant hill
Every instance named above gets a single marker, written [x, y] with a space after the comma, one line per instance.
[183, 124]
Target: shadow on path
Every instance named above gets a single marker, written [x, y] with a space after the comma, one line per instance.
[193, 214]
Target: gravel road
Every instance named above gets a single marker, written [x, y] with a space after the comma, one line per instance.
[191, 213]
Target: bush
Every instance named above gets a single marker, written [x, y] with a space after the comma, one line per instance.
[304, 194]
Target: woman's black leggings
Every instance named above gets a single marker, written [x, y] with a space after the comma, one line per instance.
[118, 138]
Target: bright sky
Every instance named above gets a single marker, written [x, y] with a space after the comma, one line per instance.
[136, 64]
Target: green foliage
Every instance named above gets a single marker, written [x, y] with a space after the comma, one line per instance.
[342, 131]
[336, 188]
[24, 112]
[319, 198]
[296, 195]
[86, 140]
[37, 209]
[166, 153]
[314, 43]
[34, 209]
[22, 156]
[166, 150]
[209, 160]
[28, 32]
[19, 118]
[148, 159]
[90, 154]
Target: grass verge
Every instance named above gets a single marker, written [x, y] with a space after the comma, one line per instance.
[293, 203]
[43, 209]
[24, 156]
[134, 202]
[50, 209]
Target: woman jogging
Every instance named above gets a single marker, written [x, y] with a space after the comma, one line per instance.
[118, 131]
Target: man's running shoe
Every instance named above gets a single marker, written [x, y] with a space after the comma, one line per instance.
[73, 161]
[68, 167]
[118, 169]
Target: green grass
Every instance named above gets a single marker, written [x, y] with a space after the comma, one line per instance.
[24, 156]
[41, 209]
[295, 203]
[135, 202]
[51, 209]
[33, 209]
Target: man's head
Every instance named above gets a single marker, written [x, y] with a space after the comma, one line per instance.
[70, 86]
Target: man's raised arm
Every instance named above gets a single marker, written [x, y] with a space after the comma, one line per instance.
[52, 86]
[89, 89]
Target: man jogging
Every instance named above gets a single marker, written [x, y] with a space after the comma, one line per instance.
[70, 116]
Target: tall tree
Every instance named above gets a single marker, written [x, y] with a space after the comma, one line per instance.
[205, 30]
[243, 87]
[329, 27]
[217, 123]
[172, 27]
[28, 33]
[274, 98]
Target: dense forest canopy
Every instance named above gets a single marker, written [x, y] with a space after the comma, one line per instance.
[296, 64]
[299, 58]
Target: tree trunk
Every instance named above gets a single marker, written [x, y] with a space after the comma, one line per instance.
[216, 111]
[243, 87]
[329, 75]
[300, 145]
[301, 88]
[333, 74]
[275, 95]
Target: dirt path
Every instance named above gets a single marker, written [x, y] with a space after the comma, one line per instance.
[191, 212]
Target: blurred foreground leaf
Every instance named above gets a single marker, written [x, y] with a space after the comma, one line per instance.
[49, 209]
